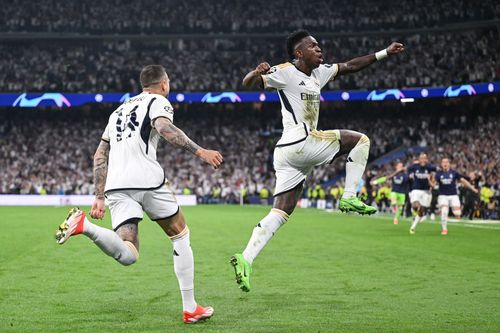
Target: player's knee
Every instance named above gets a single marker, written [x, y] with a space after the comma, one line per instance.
[364, 140]
[274, 220]
[129, 257]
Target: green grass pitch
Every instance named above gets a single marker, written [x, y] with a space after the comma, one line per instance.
[323, 272]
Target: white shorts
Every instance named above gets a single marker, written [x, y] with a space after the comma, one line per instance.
[449, 200]
[422, 196]
[130, 204]
[294, 162]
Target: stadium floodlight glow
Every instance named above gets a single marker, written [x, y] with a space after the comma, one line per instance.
[407, 100]
[73, 99]
[180, 97]
[98, 98]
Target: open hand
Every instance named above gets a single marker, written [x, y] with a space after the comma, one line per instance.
[395, 48]
[98, 209]
[212, 157]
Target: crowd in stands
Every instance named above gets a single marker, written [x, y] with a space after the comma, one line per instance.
[430, 59]
[51, 152]
[237, 16]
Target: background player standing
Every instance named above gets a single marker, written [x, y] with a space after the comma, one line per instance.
[302, 146]
[127, 174]
[446, 179]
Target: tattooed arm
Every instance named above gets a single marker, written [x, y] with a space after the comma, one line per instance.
[178, 138]
[100, 172]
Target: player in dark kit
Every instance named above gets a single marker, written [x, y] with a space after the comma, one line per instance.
[470, 198]
[447, 179]
[400, 185]
[420, 194]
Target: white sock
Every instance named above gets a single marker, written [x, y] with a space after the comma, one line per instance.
[184, 268]
[110, 243]
[263, 232]
[355, 166]
[416, 220]
[444, 217]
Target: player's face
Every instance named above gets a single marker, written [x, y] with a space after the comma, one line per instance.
[445, 164]
[165, 85]
[310, 52]
[399, 166]
[422, 159]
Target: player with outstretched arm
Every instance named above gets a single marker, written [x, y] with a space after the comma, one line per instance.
[302, 146]
[446, 179]
[128, 176]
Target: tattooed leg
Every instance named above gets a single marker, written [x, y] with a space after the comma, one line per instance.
[122, 245]
[129, 232]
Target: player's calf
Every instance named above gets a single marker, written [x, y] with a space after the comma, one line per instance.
[109, 242]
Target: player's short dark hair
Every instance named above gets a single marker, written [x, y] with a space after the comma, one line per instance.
[151, 75]
[293, 39]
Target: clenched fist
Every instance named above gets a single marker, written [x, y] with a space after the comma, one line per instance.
[262, 68]
[395, 48]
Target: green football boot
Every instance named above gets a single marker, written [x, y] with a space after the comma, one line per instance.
[354, 204]
[242, 270]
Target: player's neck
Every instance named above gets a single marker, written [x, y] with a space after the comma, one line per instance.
[152, 91]
[301, 66]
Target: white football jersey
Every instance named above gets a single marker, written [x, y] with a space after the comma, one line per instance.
[132, 160]
[300, 97]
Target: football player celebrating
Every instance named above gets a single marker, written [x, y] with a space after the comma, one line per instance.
[447, 179]
[302, 146]
[420, 194]
[400, 183]
[128, 175]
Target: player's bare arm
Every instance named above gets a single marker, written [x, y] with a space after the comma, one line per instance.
[254, 79]
[467, 184]
[357, 64]
[178, 138]
[432, 180]
[100, 172]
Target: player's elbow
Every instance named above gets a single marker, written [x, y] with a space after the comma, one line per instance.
[246, 82]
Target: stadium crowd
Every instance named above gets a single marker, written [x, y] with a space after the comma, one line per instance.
[45, 163]
[235, 16]
[432, 59]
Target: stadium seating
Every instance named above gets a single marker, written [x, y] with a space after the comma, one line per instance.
[433, 59]
[191, 16]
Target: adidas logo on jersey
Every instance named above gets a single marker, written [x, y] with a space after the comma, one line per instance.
[302, 83]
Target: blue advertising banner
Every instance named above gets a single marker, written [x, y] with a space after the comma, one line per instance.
[62, 100]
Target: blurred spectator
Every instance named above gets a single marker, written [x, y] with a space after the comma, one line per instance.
[431, 59]
[237, 16]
